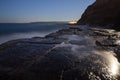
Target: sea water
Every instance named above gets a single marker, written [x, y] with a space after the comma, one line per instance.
[11, 31]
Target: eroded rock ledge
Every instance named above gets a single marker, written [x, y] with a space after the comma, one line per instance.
[68, 54]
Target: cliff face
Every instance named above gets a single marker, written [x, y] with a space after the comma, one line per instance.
[102, 12]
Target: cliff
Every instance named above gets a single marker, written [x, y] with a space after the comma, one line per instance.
[103, 13]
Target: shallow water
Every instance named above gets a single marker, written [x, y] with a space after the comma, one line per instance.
[97, 64]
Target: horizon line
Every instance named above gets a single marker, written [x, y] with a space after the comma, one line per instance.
[34, 22]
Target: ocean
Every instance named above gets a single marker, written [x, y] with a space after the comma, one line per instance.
[11, 31]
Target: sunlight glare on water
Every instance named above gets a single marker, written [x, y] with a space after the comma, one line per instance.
[113, 63]
[114, 66]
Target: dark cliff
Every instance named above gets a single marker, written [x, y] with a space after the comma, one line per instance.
[102, 12]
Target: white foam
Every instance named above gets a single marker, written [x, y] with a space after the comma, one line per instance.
[14, 36]
[118, 42]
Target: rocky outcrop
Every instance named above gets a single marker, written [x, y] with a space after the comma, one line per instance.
[68, 54]
[103, 13]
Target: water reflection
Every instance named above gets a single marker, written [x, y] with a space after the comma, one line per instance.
[91, 62]
[112, 63]
[118, 42]
[114, 66]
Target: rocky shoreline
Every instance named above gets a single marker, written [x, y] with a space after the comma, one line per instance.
[68, 54]
[75, 53]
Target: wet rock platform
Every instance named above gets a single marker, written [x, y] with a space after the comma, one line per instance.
[68, 54]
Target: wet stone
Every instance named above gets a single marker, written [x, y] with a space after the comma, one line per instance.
[68, 54]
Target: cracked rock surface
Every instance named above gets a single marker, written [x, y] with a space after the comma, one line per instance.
[68, 54]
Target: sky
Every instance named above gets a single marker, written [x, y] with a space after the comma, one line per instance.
[21, 11]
